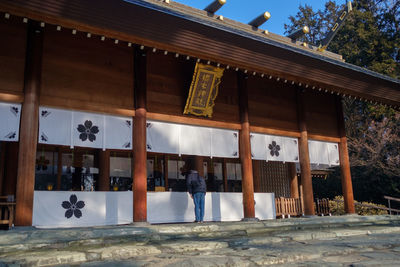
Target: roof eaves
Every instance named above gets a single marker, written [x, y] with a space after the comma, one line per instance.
[200, 16]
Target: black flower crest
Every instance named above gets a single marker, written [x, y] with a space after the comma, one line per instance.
[45, 113]
[88, 131]
[274, 149]
[14, 110]
[73, 207]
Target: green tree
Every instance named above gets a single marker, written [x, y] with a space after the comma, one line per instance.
[370, 38]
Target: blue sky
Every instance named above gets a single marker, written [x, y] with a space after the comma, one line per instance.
[245, 10]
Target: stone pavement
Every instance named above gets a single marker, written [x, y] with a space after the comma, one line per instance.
[317, 241]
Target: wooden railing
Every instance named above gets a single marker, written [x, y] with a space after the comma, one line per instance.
[322, 207]
[286, 207]
[394, 199]
[7, 206]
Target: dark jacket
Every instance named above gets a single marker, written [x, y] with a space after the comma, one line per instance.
[195, 183]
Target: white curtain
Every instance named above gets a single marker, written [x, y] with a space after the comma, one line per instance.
[291, 149]
[258, 146]
[225, 143]
[163, 137]
[170, 138]
[81, 209]
[118, 132]
[333, 153]
[55, 126]
[195, 140]
[319, 152]
[88, 129]
[274, 148]
[10, 115]
[73, 128]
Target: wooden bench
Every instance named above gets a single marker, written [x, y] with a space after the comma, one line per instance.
[7, 206]
[322, 207]
[287, 207]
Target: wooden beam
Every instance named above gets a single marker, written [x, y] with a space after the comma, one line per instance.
[245, 150]
[29, 126]
[193, 121]
[263, 130]
[139, 138]
[294, 183]
[104, 170]
[347, 186]
[324, 138]
[304, 157]
[59, 102]
[11, 97]
[59, 168]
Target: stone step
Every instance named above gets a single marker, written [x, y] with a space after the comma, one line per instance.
[48, 247]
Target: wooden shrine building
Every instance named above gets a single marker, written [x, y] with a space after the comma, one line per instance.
[100, 105]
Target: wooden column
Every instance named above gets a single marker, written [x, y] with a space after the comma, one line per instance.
[59, 169]
[139, 138]
[199, 165]
[245, 150]
[304, 157]
[257, 175]
[11, 169]
[2, 164]
[225, 173]
[104, 170]
[166, 172]
[29, 126]
[294, 184]
[347, 186]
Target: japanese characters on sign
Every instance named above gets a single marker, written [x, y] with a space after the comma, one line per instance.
[203, 90]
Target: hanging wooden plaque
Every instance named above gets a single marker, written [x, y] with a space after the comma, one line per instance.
[203, 90]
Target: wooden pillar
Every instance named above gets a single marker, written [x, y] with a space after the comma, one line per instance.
[139, 138]
[104, 170]
[77, 162]
[2, 164]
[245, 150]
[257, 175]
[294, 184]
[166, 172]
[59, 169]
[29, 126]
[347, 186]
[199, 165]
[304, 157]
[225, 173]
[11, 169]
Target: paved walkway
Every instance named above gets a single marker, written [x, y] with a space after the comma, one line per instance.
[327, 241]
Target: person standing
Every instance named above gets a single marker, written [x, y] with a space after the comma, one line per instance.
[196, 187]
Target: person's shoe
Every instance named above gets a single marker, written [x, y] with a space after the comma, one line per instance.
[201, 222]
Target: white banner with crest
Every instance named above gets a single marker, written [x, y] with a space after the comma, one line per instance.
[84, 129]
[10, 115]
[274, 148]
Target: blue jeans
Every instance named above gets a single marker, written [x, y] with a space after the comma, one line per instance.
[198, 199]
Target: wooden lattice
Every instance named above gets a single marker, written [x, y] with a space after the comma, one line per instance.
[275, 178]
